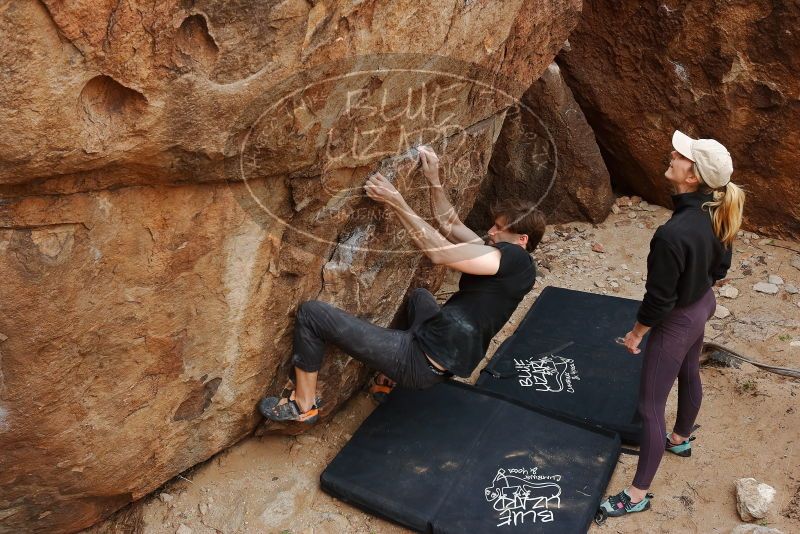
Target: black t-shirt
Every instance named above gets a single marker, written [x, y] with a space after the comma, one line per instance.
[457, 337]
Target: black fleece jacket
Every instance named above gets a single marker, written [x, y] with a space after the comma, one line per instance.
[685, 259]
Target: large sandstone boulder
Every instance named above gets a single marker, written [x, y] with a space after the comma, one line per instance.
[175, 177]
[726, 70]
[547, 154]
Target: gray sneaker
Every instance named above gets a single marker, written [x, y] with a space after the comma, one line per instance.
[271, 408]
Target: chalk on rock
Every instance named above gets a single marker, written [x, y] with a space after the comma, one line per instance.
[755, 529]
[775, 279]
[721, 312]
[728, 291]
[753, 499]
[183, 529]
[766, 287]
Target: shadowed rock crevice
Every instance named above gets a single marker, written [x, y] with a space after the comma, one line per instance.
[109, 109]
[547, 154]
[56, 28]
[198, 400]
[195, 44]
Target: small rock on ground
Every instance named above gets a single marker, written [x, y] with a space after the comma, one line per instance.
[766, 287]
[791, 289]
[755, 529]
[753, 499]
[728, 291]
[721, 312]
[775, 279]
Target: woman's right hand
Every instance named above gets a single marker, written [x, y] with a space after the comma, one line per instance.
[430, 164]
[632, 341]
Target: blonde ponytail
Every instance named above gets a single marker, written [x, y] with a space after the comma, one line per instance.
[726, 212]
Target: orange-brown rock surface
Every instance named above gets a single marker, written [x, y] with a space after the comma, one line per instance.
[547, 154]
[175, 177]
[725, 70]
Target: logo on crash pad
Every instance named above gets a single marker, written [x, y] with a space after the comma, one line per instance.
[523, 496]
[551, 373]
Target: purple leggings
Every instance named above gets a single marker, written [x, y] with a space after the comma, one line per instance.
[672, 351]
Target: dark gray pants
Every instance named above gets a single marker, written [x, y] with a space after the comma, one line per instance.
[395, 353]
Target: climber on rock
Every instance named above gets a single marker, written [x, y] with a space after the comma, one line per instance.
[439, 342]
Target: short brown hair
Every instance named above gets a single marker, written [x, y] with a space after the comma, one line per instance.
[521, 217]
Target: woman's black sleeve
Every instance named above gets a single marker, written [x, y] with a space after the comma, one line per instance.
[722, 271]
[664, 267]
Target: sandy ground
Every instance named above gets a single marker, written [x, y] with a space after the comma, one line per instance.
[750, 420]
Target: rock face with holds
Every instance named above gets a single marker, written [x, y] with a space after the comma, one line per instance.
[177, 176]
[723, 70]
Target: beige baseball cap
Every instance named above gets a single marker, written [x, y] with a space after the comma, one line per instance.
[713, 161]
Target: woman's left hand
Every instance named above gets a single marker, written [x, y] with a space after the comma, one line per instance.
[631, 342]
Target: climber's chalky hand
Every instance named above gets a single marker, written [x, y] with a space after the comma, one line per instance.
[380, 189]
[430, 164]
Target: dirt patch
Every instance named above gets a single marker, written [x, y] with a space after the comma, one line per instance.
[749, 420]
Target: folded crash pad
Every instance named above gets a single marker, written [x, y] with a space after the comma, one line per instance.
[452, 459]
[563, 358]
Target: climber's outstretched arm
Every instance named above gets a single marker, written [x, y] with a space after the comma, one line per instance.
[465, 257]
[450, 225]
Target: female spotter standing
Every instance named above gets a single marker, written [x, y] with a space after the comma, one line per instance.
[688, 254]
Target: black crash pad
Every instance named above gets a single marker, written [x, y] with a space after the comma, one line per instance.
[563, 358]
[452, 459]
